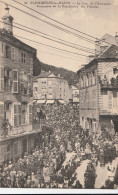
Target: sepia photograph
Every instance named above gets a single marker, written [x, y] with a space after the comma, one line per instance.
[59, 96]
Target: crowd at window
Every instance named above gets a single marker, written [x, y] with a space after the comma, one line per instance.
[105, 82]
[88, 79]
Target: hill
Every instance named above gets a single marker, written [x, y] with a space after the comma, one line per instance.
[71, 76]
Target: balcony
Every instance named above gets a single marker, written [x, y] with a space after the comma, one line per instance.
[109, 84]
[13, 132]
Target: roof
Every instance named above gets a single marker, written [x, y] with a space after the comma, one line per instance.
[110, 53]
[18, 43]
[45, 75]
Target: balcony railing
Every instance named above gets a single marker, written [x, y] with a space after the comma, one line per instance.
[108, 86]
[108, 83]
[11, 132]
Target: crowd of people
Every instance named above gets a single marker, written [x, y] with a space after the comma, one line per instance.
[62, 134]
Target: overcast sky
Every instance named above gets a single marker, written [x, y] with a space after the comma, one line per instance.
[93, 21]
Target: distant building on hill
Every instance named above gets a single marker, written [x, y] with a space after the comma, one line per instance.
[48, 86]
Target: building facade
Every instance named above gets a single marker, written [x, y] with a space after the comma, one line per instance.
[99, 91]
[17, 134]
[48, 86]
[75, 93]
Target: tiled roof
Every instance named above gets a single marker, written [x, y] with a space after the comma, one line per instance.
[110, 52]
[42, 75]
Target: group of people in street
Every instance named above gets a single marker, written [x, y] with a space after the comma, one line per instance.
[47, 165]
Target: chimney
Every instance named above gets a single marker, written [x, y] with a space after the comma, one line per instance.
[91, 57]
[97, 47]
[8, 21]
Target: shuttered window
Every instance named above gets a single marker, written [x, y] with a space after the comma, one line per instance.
[8, 51]
[13, 53]
[30, 114]
[24, 113]
[1, 114]
[23, 57]
[29, 84]
[17, 115]
[1, 79]
[15, 81]
[110, 97]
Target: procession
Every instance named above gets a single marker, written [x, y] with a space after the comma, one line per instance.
[58, 95]
[65, 147]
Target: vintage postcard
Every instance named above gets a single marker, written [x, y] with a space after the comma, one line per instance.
[59, 95]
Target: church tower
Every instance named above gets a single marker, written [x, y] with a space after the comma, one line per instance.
[8, 21]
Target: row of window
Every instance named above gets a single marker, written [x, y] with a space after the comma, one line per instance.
[111, 99]
[9, 52]
[9, 81]
[88, 79]
[22, 114]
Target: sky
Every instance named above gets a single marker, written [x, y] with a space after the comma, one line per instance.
[94, 21]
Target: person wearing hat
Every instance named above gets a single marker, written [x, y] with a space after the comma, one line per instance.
[10, 165]
[51, 171]
[46, 173]
[28, 182]
[60, 180]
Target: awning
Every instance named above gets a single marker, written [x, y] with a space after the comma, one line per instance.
[61, 101]
[50, 101]
[41, 101]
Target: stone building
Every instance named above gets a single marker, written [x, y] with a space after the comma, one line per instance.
[99, 88]
[75, 93]
[48, 86]
[17, 133]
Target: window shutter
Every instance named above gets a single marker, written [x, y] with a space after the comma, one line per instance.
[15, 81]
[15, 115]
[4, 50]
[19, 115]
[30, 114]
[1, 114]
[13, 53]
[110, 99]
[1, 79]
